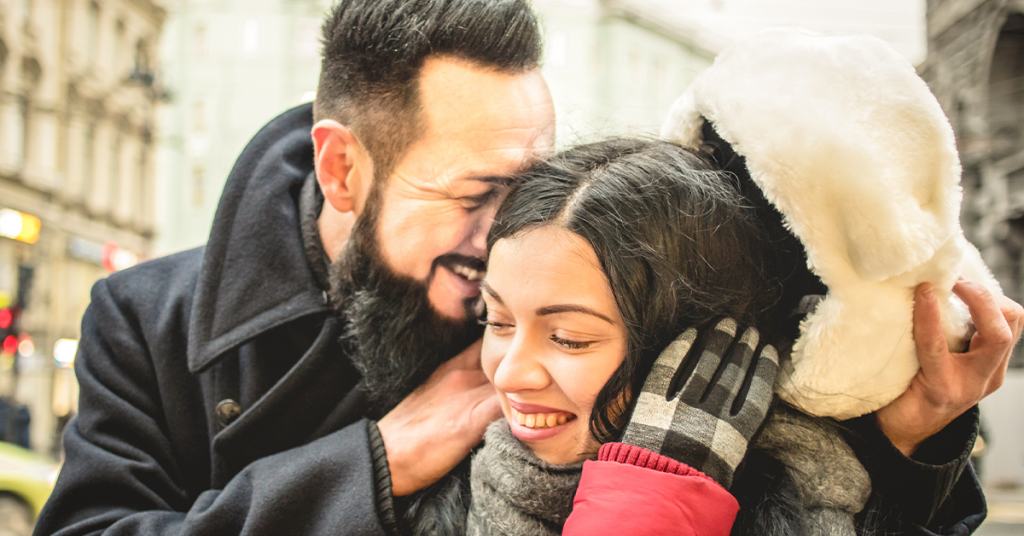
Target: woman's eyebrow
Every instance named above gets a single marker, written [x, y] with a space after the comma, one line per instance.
[487, 288]
[554, 309]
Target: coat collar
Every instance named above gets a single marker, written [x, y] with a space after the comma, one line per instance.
[255, 275]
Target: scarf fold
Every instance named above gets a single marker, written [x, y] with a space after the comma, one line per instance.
[830, 482]
[515, 492]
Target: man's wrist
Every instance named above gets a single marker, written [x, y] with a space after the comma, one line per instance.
[921, 483]
[382, 480]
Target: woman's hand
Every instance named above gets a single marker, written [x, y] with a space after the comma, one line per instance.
[709, 422]
[949, 384]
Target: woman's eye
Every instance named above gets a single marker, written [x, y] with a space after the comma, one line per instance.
[496, 327]
[572, 345]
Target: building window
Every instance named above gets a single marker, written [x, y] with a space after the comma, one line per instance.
[142, 209]
[142, 57]
[307, 39]
[662, 85]
[251, 36]
[634, 69]
[26, 11]
[21, 138]
[117, 51]
[558, 49]
[199, 41]
[114, 192]
[1006, 90]
[198, 117]
[198, 185]
[92, 34]
[88, 162]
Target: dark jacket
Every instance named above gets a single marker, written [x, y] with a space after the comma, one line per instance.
[215, 398]
[165, 343]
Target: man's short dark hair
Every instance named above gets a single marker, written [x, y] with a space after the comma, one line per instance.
[373, 51]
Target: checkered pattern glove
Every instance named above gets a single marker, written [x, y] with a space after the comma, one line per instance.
[705, 424]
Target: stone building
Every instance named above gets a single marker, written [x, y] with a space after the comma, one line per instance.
[78, 93]
[975, 67]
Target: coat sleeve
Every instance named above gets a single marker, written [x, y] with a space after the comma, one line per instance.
[124, 475]
[630, 490]
[934, 492]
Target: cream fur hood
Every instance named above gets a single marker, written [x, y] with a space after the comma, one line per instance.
[850, 145]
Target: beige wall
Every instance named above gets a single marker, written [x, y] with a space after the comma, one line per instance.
[76, 151]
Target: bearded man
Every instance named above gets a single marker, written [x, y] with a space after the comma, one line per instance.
[296, 375]
[226, 390]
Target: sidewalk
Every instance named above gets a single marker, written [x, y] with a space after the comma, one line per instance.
[1005, 513]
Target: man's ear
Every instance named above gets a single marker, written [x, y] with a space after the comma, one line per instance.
[343, 168]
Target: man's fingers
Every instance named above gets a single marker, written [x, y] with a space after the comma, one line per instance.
[928, 335]
[487, 408]
[468, 359]
[1013, 313]
[988, 319]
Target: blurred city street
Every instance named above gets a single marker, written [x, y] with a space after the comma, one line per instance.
[120, 121]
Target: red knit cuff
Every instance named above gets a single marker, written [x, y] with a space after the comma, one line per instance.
[641, 457]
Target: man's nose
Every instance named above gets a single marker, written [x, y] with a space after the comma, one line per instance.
[482, 227]
[520, 370]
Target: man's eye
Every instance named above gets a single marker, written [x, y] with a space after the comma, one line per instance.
[476, 201]
[572, 345]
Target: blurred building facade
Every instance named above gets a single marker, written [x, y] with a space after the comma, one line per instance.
[78, 98]
[232, 65]
[975, 67]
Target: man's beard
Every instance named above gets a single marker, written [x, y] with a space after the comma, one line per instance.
[393, 336]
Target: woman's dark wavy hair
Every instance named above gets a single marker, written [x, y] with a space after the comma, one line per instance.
[678, 244]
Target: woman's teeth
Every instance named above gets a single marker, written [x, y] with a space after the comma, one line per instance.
[541, 420]
[468, 273]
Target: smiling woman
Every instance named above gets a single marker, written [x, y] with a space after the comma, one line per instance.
[645, 234]
[599, 258]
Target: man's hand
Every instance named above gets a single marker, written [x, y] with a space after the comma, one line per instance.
[949, 384]
[436, 426]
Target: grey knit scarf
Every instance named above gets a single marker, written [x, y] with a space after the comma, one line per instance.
[830, 482]
[515, 492]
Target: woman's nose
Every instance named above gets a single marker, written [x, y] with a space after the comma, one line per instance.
[520, 370]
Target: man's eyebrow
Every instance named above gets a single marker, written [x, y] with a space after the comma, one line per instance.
[487, 288]
[555, 309]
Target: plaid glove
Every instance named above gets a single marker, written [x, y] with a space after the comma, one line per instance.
[705, 425]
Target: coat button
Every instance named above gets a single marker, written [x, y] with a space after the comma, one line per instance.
[227, 411]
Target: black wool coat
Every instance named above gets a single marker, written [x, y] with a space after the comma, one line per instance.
[216, 400]
[240, 325]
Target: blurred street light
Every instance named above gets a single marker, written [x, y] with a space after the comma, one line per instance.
[19, 226]
[64, 351]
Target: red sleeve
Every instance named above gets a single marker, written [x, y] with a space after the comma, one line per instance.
[630, 490]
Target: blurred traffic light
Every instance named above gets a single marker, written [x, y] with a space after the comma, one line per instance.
[6, 318]
[10, 345]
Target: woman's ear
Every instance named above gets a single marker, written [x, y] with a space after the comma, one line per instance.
[343, 167]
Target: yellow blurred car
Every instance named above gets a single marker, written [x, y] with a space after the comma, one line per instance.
[26, 481]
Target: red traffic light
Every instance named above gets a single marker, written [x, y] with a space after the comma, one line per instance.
[10, 345]
[5, 318]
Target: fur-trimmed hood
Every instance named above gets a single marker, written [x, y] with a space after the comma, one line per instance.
[850, 145]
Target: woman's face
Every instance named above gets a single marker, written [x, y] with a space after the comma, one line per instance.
[554, 338]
